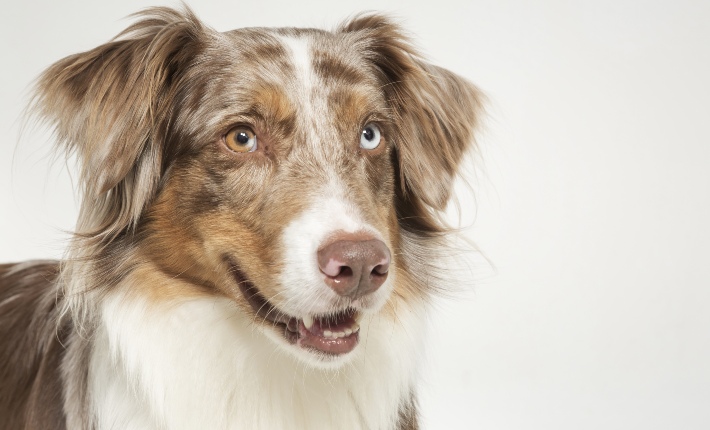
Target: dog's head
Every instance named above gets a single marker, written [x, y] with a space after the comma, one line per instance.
[293, 171]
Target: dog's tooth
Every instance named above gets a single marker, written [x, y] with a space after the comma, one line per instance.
[348, 331]
[339, 334]
[308, 321]
[327, 333]
[356, 327]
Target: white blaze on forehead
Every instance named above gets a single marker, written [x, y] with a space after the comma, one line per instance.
[301, 59]
[304, 78]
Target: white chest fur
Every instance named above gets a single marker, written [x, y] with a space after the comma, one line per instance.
[202, 364]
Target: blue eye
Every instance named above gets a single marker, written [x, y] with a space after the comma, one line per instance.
[370, 137]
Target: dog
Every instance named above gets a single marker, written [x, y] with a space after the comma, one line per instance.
[259, 236]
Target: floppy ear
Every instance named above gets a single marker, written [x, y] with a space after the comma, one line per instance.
[435, 111]
[110, 106]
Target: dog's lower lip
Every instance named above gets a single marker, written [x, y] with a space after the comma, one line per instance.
[334, 335]
[322, 338]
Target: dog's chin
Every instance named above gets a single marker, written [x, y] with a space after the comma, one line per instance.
[326, 340]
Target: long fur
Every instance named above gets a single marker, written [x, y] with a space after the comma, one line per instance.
[143, 325]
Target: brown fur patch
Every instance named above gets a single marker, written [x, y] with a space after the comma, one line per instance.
[408, 416]
[30, 347]
[334, 70]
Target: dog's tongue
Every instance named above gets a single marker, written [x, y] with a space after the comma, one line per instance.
[336, 336]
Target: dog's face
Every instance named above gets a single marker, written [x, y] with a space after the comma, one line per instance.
[288, 172]
[284, 169]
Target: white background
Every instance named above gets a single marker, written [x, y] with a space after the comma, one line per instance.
[592, 198]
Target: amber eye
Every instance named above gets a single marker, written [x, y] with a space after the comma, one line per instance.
[240, 139]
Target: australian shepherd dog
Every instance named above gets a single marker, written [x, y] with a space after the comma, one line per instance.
[259, 235]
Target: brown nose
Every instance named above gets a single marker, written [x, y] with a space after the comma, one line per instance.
[354, 268]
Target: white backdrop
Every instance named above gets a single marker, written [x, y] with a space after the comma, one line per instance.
[592, 197]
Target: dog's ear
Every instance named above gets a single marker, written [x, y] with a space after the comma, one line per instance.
[110, 106]
[435, 111]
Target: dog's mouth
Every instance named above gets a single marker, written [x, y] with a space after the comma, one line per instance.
[336, 333]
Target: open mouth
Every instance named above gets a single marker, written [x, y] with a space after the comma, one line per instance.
[335, 333]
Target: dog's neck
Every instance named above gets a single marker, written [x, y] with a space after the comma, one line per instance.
[201, 363]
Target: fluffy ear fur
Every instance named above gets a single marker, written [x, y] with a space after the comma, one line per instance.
[435, 111]
[110, 106]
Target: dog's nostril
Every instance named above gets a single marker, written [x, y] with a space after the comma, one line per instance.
[345, 272]
[354, 268]
[380, 270]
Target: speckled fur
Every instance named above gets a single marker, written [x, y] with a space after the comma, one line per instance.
[143, 325]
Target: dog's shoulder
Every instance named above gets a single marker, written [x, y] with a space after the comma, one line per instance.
[30, 347]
